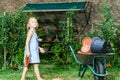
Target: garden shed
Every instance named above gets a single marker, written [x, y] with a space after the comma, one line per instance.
[83, 9]
[52, 12]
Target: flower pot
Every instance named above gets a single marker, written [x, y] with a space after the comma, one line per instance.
[49, 39]
[57, 79]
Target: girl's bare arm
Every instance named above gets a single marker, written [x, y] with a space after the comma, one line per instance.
[29, 35]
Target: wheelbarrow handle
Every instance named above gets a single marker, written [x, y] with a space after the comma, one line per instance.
[74, 55]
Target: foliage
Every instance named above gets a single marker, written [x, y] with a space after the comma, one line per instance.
[4, 37]
[41, 32]
[67, 28]
[13, 33]
[117, 39]
[19, 56]
[61, 50]
[57, 49]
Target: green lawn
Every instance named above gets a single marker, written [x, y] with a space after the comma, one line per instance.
[49, 71]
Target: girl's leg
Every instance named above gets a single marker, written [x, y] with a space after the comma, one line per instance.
[24, 73]
[36, 70]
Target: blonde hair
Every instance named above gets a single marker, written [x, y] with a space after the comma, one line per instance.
[28, 25]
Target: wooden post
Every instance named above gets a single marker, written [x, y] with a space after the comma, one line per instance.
[5, 52]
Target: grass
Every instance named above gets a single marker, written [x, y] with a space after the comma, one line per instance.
[49, 71]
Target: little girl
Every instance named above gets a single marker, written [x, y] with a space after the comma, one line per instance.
[32, 49]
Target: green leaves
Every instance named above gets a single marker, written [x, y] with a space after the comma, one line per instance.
[13, 32]
[61, 51]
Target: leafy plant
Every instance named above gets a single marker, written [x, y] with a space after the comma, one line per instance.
[57, 48]
[4, 37]
[41, 32]
[19, 56]
[61, 50]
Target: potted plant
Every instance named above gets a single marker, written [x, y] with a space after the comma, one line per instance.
[49, 35]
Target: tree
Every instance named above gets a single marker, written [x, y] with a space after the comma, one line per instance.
[4, 35]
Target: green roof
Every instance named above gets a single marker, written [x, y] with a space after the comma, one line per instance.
[50, 7]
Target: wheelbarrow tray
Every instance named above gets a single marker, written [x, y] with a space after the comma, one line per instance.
[86, 58]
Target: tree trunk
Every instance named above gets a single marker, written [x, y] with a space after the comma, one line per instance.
[5, 53]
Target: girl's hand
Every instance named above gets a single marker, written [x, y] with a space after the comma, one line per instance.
[42, 50]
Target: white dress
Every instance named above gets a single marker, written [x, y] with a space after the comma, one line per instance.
[34, 52]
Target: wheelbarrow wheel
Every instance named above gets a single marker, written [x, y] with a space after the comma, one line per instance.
[99, 68]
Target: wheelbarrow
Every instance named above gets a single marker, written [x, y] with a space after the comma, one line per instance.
[95, 62]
